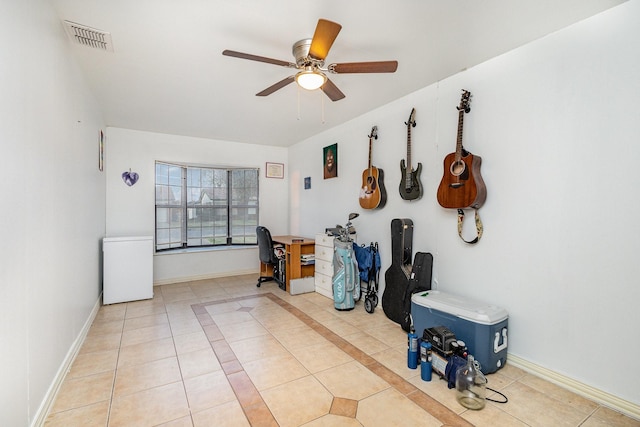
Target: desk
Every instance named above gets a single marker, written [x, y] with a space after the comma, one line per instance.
[294, 246]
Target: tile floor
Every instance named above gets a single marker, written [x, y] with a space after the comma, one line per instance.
[222, 352]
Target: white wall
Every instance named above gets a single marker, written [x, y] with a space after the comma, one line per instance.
[53, 204]
[556, 123]
[130, 210]
[552, 121]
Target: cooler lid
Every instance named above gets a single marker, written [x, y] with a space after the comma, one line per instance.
[463, 307]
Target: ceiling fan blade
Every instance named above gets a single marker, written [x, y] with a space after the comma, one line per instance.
[257, 58]
[332, 91]
[282, 83]
[324, 36]
[364, 67]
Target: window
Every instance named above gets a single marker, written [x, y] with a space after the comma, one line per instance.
[205, 206]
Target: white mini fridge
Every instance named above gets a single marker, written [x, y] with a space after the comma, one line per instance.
[127, 269]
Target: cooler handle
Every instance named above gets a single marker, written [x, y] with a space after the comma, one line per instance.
[499, 347]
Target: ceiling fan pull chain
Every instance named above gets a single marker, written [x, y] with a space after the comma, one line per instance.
[322, 101]
[298, 92]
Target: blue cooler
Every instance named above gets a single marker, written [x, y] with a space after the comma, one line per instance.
[482, 326]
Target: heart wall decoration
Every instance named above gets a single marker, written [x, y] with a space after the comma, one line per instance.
[130, 178]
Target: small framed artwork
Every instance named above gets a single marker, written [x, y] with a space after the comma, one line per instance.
[330, 161]
[307, 183]
[101, 151]
[274, 170]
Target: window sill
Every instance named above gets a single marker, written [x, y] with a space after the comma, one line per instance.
[206, 249]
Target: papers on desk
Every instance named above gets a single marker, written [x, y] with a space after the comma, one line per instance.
[307, 259]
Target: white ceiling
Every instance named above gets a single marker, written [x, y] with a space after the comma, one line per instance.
[167, 73]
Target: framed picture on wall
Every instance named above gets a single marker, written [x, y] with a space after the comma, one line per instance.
[274, 170]
[330, 161]
[101, 151]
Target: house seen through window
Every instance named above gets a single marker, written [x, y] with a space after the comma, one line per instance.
[205, 206]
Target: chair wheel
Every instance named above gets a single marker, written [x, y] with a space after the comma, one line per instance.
[258, 285]
[374, 298]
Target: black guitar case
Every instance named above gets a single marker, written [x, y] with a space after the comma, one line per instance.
[419, 281]
[397, 275]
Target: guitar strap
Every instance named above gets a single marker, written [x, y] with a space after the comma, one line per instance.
[479, 227]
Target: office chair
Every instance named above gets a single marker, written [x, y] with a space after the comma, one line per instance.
[269, 256]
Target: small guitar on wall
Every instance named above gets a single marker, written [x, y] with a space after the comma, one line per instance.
[462, 185]
[410, 185]
[372, 193]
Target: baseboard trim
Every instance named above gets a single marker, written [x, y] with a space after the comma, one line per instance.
[205, 277]
[42, 412]
[605, 399]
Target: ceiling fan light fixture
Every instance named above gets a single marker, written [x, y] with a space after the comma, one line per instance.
[310, 79]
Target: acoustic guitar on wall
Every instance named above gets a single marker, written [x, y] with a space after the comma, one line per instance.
[462, 185]
[410, 185]
[372, 192]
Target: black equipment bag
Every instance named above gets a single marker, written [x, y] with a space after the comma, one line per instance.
[401, 241]
[419, 281]
[397, 275]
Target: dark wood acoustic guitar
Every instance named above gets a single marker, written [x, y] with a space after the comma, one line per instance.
[462, 185]
[372, 193]
[410, 185]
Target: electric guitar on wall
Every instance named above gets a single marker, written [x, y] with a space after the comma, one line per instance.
[372, 193]
[462, 185]
[410, 185]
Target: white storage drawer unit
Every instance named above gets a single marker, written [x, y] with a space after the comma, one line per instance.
[324, 265]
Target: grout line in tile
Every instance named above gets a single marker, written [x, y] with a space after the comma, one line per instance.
[115, 371]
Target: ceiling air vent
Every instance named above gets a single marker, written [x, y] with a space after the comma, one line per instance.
[87, 36]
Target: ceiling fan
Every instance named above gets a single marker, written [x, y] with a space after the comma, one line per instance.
[310, 55]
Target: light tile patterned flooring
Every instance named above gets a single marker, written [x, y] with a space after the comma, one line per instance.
[223, 352]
